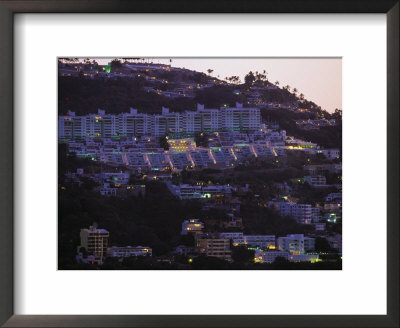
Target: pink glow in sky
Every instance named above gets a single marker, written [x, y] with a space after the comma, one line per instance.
[319, 79]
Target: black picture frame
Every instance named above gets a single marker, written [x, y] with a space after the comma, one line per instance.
[10, 7]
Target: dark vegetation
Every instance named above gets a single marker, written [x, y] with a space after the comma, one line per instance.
[327, 137]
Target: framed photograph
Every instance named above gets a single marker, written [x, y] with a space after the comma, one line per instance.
[230, 164]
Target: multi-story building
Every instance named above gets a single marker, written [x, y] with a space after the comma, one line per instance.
[128, 251]
[181, 145]
[108, 190]
[330, 153]
[302, 213]
[262, 241]
[192, 226]
[315, 214]
[133, 123]
[296, 244]
[95, 241]
[316, 180]
[236, 237]
[334, 197]
[186, 191]
[216, 247]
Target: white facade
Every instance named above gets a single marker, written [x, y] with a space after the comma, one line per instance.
[107, 190]
[133, 123]
[294, 244]
[302, 213]
[186, 191]
[236, 237]
[262, 241]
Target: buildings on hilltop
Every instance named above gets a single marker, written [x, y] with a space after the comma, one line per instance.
[104, 125]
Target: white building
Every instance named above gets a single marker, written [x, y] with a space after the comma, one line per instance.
[107, 190]
[296, 244]
[186, 191]
[302, 213]
[316, 180]
[330, 153]
[133, 123]
[128, 251]
[236, 237]
[334, 197]
[261, 241]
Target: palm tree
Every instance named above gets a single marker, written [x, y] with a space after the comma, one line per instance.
[295, 90]
[276, 83]
[209, 71]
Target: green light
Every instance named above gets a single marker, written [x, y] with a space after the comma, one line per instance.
[206, 196]
[108, 68]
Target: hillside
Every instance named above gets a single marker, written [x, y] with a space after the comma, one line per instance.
[85, 87]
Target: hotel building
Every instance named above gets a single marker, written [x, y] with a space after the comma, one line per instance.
[133, 123]
[95, 241]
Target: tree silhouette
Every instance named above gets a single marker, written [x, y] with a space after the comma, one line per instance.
[249, 79]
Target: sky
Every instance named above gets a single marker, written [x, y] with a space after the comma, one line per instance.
[319, 79]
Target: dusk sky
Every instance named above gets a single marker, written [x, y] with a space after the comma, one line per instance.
[319, 79]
